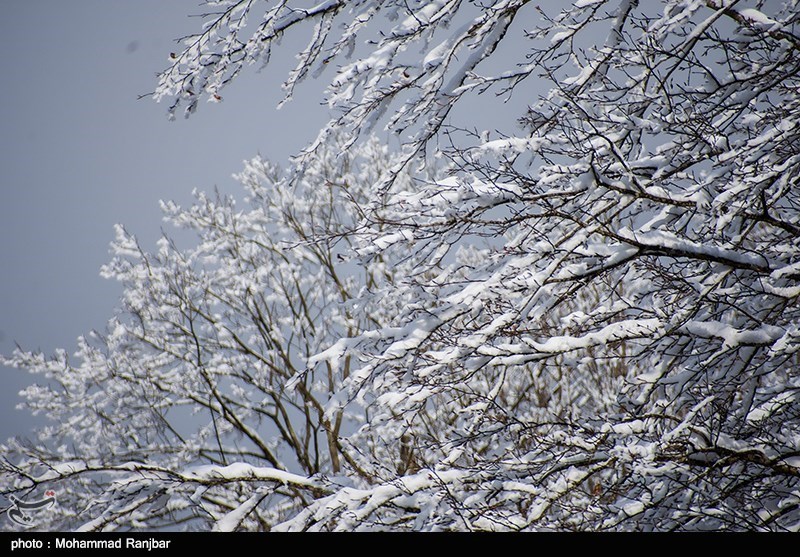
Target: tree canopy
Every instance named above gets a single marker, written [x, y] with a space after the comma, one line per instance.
[581, 317]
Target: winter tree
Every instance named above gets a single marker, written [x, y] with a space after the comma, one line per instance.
[586, 320]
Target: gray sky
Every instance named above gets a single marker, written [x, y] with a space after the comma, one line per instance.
[81, 153]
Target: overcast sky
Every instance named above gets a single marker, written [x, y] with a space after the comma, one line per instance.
[81, 153]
